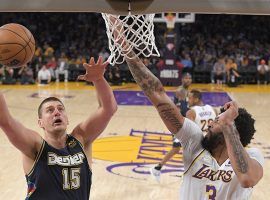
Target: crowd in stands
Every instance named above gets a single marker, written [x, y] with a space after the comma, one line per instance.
[216, 48]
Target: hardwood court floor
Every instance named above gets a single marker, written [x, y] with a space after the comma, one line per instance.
[118, 173]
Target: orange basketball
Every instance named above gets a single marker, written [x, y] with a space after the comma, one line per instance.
[17, 45]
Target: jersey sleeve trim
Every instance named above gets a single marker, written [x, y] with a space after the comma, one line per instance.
[37, 158]
[195, 159]
[76, 140]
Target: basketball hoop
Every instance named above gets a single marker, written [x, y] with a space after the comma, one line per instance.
[138, 31]
[170, 20]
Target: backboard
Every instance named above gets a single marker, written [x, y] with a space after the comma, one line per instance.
[120, 7]
[179, 17]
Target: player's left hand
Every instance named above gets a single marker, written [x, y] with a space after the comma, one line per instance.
[231, 112]
[94, 70]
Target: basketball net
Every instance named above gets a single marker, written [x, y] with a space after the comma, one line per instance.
[138, 31]
[170, 20]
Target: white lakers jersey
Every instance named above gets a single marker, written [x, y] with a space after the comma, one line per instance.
[204, 178]
[204, 115]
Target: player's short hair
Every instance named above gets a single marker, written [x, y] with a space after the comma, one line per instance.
[45, 101]
[186, 74]
[245, 126]
[196, 94]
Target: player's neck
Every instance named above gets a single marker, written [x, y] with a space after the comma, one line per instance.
[200, 104]
[185, 87]
[220, 154]
[56, 140]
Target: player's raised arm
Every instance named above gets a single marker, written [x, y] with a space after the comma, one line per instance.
[150, 84]
[154, 90]
[90, 129]
[24, 139]
[248, 170]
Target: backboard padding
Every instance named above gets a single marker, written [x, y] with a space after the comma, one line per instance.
[139, 6]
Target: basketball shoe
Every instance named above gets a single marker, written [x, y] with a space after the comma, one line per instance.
[155, 174]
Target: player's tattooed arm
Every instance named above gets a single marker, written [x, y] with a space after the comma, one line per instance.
[170, 116]
[248, 170]
[154, 90]
[237, 150]
[143, 76]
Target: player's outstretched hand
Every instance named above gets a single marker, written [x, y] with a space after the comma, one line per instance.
[94, 70]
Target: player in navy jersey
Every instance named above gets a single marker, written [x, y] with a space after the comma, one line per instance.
[181, 94]
[56, 166]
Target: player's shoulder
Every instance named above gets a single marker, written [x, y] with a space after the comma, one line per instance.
[252, 150]
[195, 108]
[208, 106]
[256, 154]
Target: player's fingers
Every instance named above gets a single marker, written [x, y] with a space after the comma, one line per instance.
[105, 64]
[235, 104]
[86, 65]
[92, 61]
[81, 77]
[226, 105]
[100, 60]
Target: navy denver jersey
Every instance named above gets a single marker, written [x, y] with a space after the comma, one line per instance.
[182, 105]
[60, 174]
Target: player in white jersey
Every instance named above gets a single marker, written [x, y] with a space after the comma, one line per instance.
[202, 114]
[214, 170]
[217, 166]
[199, 113]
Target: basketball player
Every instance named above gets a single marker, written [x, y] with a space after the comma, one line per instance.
[156, 171]
[217, 166]
[57, 166]
[181, 94]
[201, 114]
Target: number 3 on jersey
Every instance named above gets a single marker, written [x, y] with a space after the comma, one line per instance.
[204, 124]
[71, 178]
[211, 192]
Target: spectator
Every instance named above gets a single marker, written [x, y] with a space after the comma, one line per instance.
[231, 71]
[187, 63]
[48, 51]
[8, 78]
[245, 61]
[38, 51]
[114, 75]
[103, 53]
[44, 75]
[152, 67]
[262, 72]
[219, 72]
[51, 66]
[75, 68]
[62, 68]
[27, 76]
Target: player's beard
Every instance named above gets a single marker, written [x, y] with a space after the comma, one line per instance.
[212, 141]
